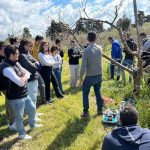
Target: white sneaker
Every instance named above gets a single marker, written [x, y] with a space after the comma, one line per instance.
[25, 137]
[12, 127]
[39, 114]
[36, 126]
[37, 119]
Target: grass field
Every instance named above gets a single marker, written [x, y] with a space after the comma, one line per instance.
[63, 128]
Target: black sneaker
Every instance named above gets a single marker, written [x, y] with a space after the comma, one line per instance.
[60, 96]
[85, 115]
[99, 113]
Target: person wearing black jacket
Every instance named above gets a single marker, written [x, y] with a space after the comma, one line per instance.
[74, 56]
[29, 63]
[9, 111]
[17, 92]
[129, 59]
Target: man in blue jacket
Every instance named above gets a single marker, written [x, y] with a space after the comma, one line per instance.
[116, 54]
[129, 136]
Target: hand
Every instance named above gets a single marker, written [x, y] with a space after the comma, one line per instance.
[80, 81]
[73, 55]
[24, 80]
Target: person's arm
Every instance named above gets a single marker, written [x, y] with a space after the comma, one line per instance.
[61, 52]
[44, 60]
[26, 72]
[113, 52]
[104, 145]
[26, 63]
[70, 53]
[84, 64]
[11, 74]
[57, 61]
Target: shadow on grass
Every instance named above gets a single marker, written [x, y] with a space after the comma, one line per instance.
[5, 132]
[69, 134]
[74, 90]
[9, 144]
[65, 82]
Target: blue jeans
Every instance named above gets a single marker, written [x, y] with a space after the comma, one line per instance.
[127, 63]
[57, 72]
[21, 106]
[33, 90]
[94, 81]
[112, 69]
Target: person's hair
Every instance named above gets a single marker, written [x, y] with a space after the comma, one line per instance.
[53, 48]
[91, 36]
[72, 41]
[2, 44]
[41, 49]
[110, 38]
[129, 115]
[57, 41]
[13, 40]
[8, 50]
[23, 43]
[143, 34]
[38, 38]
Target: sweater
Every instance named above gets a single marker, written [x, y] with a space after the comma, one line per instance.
[91, 60]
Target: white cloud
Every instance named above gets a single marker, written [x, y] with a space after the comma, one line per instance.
[37, 14]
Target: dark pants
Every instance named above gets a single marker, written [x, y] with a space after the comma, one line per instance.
[46, 75]
[112, 70]
[55, 85]
[57, 72]
[49, 76]
[41, 87]
[94, 81]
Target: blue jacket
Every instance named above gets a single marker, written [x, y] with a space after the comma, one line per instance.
[116, 52]
[127, 138]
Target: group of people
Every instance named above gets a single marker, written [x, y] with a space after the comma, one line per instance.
[27, 67]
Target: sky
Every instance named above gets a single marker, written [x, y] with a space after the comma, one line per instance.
[37, 14]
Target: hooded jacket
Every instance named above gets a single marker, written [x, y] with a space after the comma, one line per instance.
[127, 138]
[28, 62]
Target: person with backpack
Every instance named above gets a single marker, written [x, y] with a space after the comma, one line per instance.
[128, 59]
[116, 54]
[17, 92]
[129, 135]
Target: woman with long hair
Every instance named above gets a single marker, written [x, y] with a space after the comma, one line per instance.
[47, 63]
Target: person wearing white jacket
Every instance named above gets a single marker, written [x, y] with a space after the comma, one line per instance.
[47, 63]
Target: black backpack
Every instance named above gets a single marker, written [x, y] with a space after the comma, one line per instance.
[4, 81]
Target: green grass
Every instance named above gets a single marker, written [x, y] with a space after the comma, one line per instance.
[63, 128]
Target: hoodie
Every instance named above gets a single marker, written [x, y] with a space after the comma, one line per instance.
[127, 138]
